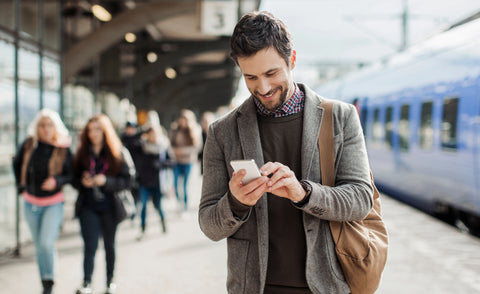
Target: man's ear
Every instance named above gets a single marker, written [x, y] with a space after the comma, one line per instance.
[293, 59]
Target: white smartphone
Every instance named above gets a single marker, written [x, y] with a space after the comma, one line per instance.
[249, 166]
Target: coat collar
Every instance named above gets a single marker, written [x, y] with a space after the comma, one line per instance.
[248, 132]
[250, 135]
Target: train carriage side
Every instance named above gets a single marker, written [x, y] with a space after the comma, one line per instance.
[421, 119]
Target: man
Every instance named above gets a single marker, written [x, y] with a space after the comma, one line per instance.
[131, 140]
[277, 226]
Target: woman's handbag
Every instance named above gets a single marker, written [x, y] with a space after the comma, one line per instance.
[123, 205]
[361, 246]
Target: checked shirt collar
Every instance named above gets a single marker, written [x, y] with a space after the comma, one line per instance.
[293, 105]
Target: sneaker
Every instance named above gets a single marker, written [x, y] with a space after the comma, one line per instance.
[111, 288]
[86, 288]
[140, 236]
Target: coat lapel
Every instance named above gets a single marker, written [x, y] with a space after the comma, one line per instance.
[249, 133]
[312, 119]
[252, 149]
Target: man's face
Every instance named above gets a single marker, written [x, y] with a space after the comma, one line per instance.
[268, 77]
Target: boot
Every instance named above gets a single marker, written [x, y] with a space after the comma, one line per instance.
[47, 286]
[164, 227]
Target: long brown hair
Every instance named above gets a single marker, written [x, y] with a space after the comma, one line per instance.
[112, 147]
[192, 129]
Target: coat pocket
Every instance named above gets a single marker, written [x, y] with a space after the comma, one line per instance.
[237, 265]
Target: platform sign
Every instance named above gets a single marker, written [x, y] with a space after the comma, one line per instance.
[219, 17]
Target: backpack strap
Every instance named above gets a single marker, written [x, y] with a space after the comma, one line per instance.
[326, 144]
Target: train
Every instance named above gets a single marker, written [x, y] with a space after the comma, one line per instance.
[420, 113]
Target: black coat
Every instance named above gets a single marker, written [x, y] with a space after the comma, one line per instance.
[37, 170]
[123, 180]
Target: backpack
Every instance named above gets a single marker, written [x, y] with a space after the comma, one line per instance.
[361, 246]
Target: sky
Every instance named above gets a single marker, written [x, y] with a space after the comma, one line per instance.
[326, 31]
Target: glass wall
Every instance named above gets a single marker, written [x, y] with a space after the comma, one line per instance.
[7, 108]
[28, 89]
[34, 63]
[30, 78]
[51, 84]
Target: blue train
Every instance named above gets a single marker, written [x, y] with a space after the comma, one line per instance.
[420, 112]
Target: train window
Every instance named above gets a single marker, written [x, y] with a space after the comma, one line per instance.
[389, 127]
[426, 130]
[449, 123]
[377, 127]
[363, 120]
[404, 128]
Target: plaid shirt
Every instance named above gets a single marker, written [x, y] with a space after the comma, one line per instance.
[293, 105]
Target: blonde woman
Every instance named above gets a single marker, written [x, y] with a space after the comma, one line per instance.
[43, 165]
[102, 166]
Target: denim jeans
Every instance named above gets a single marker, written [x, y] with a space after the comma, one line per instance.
[145, 193]
[183, 170]
[93, 225]
[44, 223]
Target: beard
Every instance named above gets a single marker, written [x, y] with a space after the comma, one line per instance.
[272, 105]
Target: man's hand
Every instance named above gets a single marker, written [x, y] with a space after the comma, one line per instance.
[283, 182]
[250, 193]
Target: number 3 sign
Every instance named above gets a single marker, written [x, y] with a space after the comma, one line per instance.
[219, 17]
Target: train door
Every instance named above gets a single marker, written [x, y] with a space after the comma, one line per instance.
[476, 145]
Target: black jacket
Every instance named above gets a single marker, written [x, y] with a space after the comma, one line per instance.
[37, 169]
[123, 180]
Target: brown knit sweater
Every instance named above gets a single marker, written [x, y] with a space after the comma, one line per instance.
[281, 140]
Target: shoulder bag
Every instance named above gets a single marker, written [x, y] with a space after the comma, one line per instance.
[123, 205]
[361, 246]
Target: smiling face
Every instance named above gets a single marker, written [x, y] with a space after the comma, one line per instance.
[46, 130]
[268, 77]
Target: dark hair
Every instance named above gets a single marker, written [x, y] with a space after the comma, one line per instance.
[259, 30]
[112, 147]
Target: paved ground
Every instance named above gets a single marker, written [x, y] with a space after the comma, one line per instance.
[425, 256]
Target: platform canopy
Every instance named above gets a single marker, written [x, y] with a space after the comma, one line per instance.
[162, 55]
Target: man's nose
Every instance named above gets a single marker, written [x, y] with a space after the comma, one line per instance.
[263, 86]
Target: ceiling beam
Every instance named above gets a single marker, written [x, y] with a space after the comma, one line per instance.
[83, 53]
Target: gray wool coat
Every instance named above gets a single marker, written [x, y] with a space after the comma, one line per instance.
[236, 136]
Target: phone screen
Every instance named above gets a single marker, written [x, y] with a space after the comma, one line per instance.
[249, 166]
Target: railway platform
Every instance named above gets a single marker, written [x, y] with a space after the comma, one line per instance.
[425, 255]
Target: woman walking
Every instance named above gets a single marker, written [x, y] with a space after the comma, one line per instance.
[101, 169]
[154, 144]
[43, 165]
[186, 142]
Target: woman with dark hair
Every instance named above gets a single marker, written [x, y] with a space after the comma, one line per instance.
[101, 169]
[154, 143]
[43, 165]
